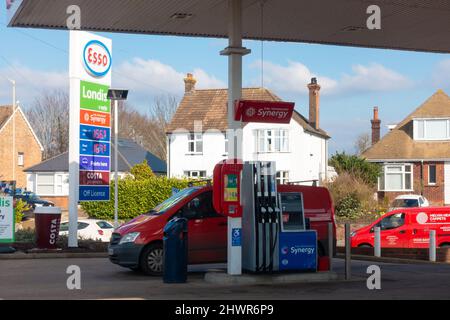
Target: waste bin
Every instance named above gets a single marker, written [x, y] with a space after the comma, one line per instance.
[47, 221]
[175, 251]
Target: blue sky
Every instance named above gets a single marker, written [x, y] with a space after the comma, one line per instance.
[353, 80]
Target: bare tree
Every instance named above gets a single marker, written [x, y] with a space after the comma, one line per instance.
[362, 143]
[148, 130]
[49, 117]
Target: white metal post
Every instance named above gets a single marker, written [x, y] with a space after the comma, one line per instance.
[234, 51]
[377, 242]
[432, 254]
[116, 155]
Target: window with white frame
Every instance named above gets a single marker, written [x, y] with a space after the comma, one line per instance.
[195, 143]
[431, 129]
[45, 184]
[195, 174]
[282, 177]
[272, 140]
[396, 177]
[20, 159]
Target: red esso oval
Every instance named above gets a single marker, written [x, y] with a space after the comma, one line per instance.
[97, 58]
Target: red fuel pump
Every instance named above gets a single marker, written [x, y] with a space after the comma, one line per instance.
[227, 188]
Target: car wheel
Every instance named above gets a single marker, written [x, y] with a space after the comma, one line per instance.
[152, 260]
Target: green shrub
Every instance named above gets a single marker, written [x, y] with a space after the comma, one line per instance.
[142, 171]
[357, 167]
[20, 207]
[353, 198]
[349, 207]
[135, 197]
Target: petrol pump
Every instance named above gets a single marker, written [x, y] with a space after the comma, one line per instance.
[274, 234]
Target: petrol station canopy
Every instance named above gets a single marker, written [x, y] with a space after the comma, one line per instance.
[420, 25]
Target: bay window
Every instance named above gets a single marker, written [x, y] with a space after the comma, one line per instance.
[272, 140]
[396, 177]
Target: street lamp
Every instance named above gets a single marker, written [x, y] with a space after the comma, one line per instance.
[116, 95]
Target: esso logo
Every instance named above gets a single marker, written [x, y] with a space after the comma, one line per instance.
[97, 59]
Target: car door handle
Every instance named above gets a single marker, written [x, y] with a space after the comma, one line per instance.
[402, 231]
[414, 231]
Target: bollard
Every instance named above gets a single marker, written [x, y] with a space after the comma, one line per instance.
[377, 242]
[432, 253]
[348, 253]
[330, 244]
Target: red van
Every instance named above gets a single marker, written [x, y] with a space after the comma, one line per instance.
[138, 244]
[407, 228]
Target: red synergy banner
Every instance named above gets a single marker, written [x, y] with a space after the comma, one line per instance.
[264, 111]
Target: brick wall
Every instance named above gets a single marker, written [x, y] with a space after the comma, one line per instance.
[434, 193]
[25, 143]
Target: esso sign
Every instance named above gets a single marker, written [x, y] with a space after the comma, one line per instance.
[97, 59]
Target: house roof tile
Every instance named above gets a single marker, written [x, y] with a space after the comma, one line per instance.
[210, 107]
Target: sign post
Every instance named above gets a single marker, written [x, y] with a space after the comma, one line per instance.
[7, 220]
[90, 123]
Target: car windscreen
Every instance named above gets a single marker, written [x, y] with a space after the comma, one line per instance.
[172, 201]
[405, 203]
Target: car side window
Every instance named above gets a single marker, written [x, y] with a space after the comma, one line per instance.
[82, 225]
[104, 225]
[393, 221]
[200, 207]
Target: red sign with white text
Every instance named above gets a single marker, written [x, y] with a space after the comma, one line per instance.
[264, 111]
[95, 118]
[94, 178]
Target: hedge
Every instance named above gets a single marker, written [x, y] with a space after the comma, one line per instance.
[135, 197]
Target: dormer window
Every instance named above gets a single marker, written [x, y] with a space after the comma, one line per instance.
[431, 129]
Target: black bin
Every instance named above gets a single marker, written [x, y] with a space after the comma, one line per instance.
[175, 251]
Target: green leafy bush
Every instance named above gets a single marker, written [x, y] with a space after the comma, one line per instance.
[142, 171]
[20, 207]
[135, 197]
[349, 206]
[357, 167]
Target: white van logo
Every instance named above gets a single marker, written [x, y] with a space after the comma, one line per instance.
[422, 218]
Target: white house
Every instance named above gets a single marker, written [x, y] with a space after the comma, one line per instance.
[197, 138]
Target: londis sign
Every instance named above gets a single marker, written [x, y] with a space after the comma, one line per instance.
[264, 111]
[97, 58]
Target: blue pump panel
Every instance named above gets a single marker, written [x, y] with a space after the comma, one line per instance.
[298, 251]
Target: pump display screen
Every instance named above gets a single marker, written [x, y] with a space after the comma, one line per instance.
[293, 218]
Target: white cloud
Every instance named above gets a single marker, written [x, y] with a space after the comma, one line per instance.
[144, 78]
[30, 83]
[372, 78]
[441, 74]
[293, 79]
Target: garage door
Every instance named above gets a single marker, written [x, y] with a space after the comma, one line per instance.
[447, 183]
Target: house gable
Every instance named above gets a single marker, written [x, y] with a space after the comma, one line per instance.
[399, 144]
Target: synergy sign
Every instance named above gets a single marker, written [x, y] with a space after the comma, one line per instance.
[7, 220]
[264, 111]
[90, 74]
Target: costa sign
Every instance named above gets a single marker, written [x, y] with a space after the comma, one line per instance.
[97, 59]
[264, 111]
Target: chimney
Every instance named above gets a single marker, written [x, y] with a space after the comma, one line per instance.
[189, 83]
[314, 103]
[376, 125]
